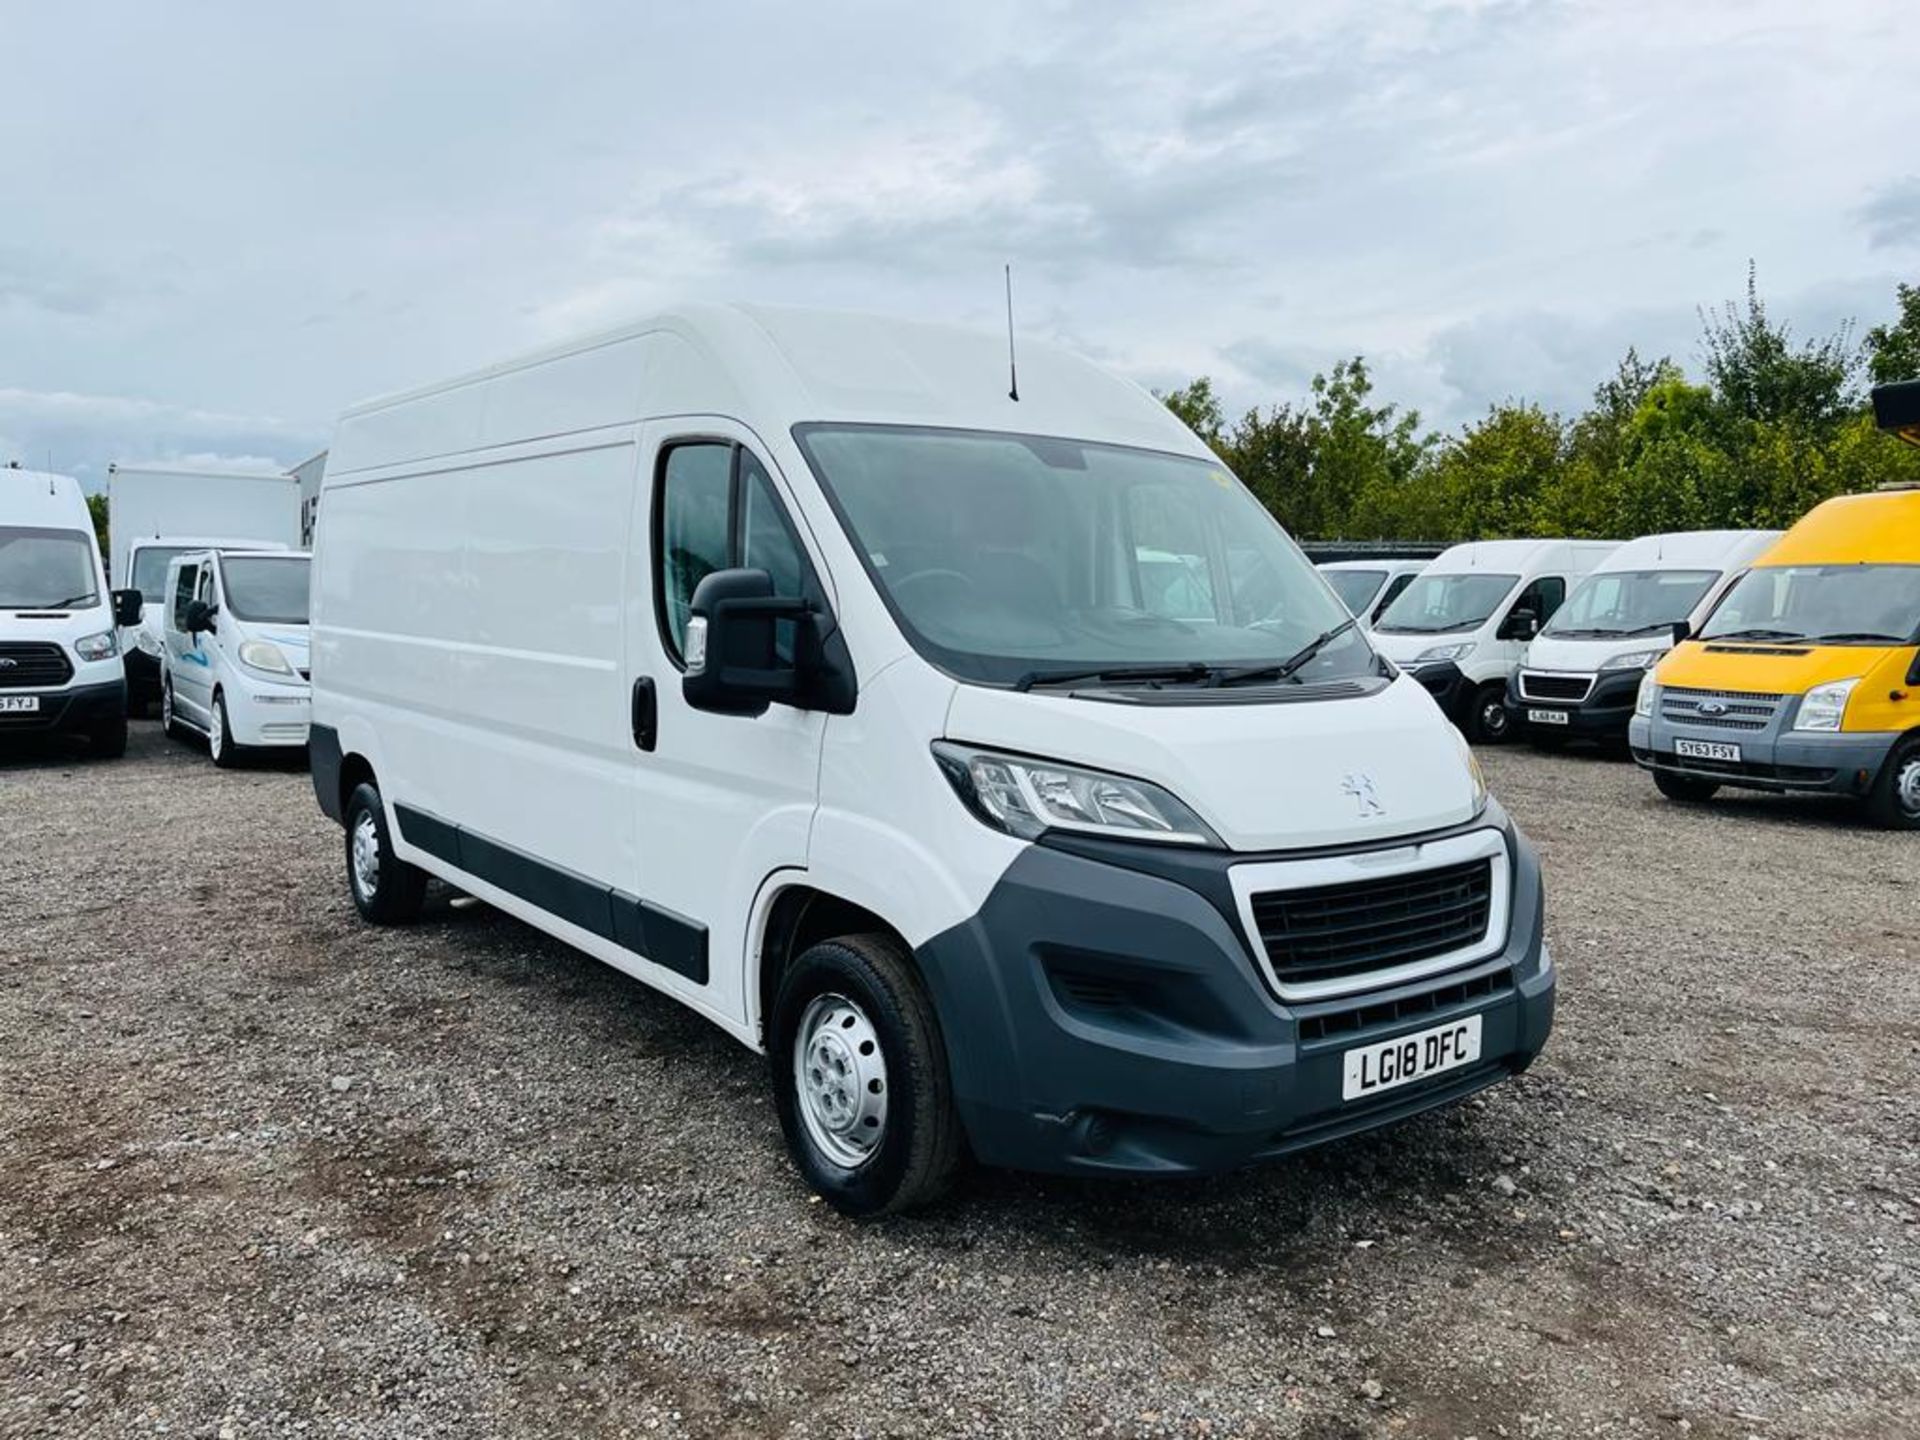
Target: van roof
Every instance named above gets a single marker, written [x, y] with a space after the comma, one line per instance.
[44, 500]
[1691, 550]
[1511, 556]
[1877, 529]
[770, 366]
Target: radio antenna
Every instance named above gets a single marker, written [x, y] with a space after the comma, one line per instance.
[1013, 370]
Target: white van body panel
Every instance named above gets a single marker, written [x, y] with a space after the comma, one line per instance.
[1728, 552]
[483, 602]
[1491, 658]
[34, 499]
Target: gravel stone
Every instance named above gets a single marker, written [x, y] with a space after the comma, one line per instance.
[552, 1202]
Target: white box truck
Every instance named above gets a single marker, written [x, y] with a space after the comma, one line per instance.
[787, 662]
[156, 512]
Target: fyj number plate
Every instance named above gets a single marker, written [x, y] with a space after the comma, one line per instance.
[19, 704]
[1372, 1069]
[1706, 749]
[1547, 717]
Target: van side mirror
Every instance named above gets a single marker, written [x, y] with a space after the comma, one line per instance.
[199, 617]
[1522, 623]
[733, 659]
[1682, 632]
[126, 607]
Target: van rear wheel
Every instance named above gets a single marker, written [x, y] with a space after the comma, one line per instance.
[386, 889]
[1684, 788]
[860, 1078]
[1894, 802]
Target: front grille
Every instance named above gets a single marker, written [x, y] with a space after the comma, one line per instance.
[35, 665]
[1719, 709]
[1331, 932]
[1363, 1018]
[1535, 686]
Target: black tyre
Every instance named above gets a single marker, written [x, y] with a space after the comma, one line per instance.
[1488, 722]
[386, 889]
[220, 744]
[860, 1078]
[1684, 787]
[1894, 801]
[107, 740]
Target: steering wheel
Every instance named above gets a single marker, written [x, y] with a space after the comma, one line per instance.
[921, 577]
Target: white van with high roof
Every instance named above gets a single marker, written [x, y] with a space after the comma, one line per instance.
[983, 752]
[1461, 627]
[61, 673]
[1580, 676]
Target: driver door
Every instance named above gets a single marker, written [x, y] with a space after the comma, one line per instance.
[188, 659]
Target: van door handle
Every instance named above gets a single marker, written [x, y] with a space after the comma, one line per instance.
[646, 713]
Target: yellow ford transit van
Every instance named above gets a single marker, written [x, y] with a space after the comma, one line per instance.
[1807, 675]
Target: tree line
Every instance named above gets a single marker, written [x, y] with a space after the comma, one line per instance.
[1770, 426]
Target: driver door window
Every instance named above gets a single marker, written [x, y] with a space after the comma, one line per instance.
[183, 594]
[1543, 597]
[715, 509]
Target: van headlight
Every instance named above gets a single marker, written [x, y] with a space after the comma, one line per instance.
[1440, 654]
[1646, 695]
[1472, 762]
[1027, 797]
[264, 655]
[1824, 706]
[1635, 660]
[103, 646]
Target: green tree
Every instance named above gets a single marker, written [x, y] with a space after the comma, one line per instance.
[1198, 407]
[97, 508]
[1491, 477]
[1893, 351]
[1759, 374]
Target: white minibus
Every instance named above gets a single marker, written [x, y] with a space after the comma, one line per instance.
[997, 766]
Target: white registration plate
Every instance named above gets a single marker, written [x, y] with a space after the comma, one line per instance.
[1706, 749]
[1547, 717]
[19, 704]
[1372, 1069]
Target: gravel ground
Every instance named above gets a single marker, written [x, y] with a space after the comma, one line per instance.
[265, 1171]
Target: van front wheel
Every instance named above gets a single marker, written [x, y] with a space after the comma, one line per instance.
[860, 1078]
[1487, 723]
[220, 744]
[386, 889]
[1894, 803]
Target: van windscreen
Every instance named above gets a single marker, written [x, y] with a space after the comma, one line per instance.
[149, 570]
[46, 569]
[273, 590]
[1012, 558]
[1356, 588]
[1825, 604]
[1436, 603]
[1629, 602]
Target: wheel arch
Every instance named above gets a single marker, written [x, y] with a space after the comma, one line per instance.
[796, 913]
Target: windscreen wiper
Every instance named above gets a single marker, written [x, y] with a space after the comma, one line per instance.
[1757, 633]
[1035, 679]
[1250, 673]
[1842, 636]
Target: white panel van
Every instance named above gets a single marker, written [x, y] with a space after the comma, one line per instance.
[60, 667]
[235, 658]
[1368, 587]
[1461, 627]
[1580, 676]
[996, 765]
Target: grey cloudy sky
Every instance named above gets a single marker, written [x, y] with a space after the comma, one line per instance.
[220, 222]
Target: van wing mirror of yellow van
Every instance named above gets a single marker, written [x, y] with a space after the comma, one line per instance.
[1682, 632]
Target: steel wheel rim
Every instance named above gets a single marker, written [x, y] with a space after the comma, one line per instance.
[1493, 718]
[366, 856]
[1906, 786]
[840, 1080]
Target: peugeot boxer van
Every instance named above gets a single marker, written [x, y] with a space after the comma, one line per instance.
[60, 667]
[236, 651]
[1461, 627]
[1807, 675]
[1368, 587]
[996, 765]
[1579, 678]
